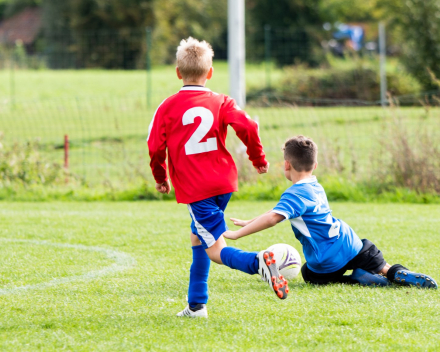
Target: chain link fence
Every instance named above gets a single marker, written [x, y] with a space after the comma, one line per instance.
[299, 82]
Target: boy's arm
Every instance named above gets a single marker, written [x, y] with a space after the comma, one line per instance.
[157, 149]
[247, 130]
[290, 206]
[238, 222]
[261, 223]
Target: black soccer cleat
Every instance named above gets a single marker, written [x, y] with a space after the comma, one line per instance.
[269, 273]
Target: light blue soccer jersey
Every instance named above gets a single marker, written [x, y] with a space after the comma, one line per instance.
[328, 243]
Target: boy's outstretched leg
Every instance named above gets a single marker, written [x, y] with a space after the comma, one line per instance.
[269, 272]
[402, 276]
[208, 224]
[365, 278]
[262, 263]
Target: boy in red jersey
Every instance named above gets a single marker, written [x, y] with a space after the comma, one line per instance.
[192, 126]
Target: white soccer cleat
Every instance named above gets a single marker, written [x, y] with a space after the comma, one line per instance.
[202, 312]
[269, 273]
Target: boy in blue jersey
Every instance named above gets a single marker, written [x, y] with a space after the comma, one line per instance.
[330, 246]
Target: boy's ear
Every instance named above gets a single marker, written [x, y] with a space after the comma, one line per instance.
[316, 165]
[179, 76]
[287, 165]
[210, 73]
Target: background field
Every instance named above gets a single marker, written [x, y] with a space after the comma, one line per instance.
[106, 116]
[134, 309]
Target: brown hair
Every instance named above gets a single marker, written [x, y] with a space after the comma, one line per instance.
[301, 152]
[194, 59]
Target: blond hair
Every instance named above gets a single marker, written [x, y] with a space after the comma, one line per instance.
[194, 59]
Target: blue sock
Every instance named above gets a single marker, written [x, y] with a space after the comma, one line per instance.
[198, 277]
[237, 259]
[366, 278]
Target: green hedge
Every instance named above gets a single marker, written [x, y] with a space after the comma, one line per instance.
[361, 82]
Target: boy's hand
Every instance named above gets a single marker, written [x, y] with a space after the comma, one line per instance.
[263, 169]
[164, 187]
[238, 222]
[230, 235]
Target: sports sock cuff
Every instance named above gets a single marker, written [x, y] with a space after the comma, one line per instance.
[196, 307]
[240, 260]
[199, 252]
[393, 270]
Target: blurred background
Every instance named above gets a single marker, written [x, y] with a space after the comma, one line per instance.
[81, 79]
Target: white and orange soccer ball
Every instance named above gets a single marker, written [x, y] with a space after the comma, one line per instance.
[288, 260]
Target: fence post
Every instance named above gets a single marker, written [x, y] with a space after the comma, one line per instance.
[267, 49]
[148, 66]
[383, 72]
[66, 151]
[66, 156]
[237, 51]
[12, 81]
[85, 138]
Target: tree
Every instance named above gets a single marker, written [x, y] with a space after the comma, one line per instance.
[111, 33]
[177, 19]
[9, 8]
[97, 33]
[293, 32]
[418, 23]
[347, 11]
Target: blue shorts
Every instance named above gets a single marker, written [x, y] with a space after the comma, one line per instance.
[208, 219]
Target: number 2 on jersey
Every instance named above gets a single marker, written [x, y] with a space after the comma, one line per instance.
[194, 144]
[334, 229]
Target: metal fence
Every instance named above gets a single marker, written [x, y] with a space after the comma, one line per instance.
[106, 114]
[132, 49]
[106, 49]
[107, 134]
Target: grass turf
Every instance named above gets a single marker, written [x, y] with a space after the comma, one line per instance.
[134, 309]
[55, 84]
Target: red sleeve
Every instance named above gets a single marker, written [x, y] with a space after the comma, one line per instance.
[157, 146]
[246, 129]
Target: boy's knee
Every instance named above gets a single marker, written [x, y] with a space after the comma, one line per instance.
[214, 254]
[195, 240]
[215, 250]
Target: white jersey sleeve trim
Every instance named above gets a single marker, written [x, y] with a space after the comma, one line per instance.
[282, 213]
[150, 127]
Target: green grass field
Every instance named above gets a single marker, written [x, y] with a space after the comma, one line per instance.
[56, 84]
[111, 277]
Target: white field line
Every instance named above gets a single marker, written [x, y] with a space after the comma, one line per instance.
[122, 261]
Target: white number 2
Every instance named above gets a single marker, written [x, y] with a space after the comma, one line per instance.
[334, 229]
[194, 146]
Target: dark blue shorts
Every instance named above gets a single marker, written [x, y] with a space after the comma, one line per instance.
[208, 219]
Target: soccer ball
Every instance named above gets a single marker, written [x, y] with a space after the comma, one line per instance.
[287, 259]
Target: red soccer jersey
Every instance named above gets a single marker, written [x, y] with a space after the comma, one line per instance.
[192, 125]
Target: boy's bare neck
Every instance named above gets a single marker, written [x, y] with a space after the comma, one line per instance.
[299, 176]
[199, 83]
